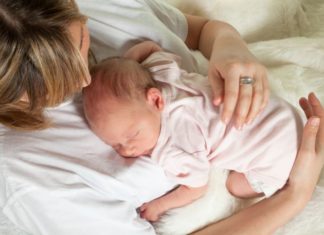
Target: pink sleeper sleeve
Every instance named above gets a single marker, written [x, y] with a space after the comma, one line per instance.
[186, 159]
[190, 169]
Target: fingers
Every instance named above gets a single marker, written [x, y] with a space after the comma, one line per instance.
[246, 101]
[143, 207]
[243, 105]
[142, 50]
[266, 91]
[304, 104]
[241, 102]
[231, 94]
[217, 85]
[308, 165]
[317, 108]
[258, 101]
[312, 107]
[142, 211]
[309, 135]
[318, 111]
[148, 214]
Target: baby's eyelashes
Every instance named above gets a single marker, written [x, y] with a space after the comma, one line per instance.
[133, 135]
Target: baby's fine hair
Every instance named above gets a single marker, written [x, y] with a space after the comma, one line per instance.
[120, 78]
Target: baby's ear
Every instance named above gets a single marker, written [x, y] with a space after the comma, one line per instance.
[154, 98]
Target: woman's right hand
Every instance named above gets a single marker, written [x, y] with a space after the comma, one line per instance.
[310, 159]
[266, 216]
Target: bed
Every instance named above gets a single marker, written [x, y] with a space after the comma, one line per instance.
[288, 37]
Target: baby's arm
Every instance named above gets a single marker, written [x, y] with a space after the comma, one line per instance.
[185, 160]
[141, 51]
[181, 196]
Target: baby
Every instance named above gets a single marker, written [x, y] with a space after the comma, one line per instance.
[156, 109]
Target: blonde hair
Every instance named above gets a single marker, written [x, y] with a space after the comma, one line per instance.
[38, 60]
[117, 78]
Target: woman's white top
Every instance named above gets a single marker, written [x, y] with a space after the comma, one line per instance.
[64, 180]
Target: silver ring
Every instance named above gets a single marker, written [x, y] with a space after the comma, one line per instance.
[246, 80]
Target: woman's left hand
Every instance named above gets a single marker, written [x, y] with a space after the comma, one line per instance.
[229, 61]
[241, 101]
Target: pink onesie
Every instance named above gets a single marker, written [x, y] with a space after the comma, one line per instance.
[193, 138]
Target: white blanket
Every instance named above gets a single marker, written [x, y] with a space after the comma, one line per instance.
[288, 37]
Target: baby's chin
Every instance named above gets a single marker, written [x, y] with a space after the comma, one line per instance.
[145, 153]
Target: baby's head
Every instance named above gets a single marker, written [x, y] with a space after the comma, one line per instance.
[123, 106]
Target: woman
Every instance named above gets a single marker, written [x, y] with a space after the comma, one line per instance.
[61, 179]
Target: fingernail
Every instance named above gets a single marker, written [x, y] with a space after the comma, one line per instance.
[225, 120]
[314, 121]
[238, 126]
[217, 101]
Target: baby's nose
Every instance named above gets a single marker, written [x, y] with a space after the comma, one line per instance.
[127, 151]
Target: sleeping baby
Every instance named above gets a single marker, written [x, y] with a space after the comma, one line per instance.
[156, 109]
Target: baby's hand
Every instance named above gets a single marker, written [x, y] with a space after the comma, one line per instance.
[151, 211]
[141, 51]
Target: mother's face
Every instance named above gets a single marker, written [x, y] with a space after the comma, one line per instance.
[80, 35]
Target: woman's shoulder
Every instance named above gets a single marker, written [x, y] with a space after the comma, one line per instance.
[27, 158]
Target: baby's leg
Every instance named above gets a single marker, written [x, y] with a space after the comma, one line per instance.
[238, 186]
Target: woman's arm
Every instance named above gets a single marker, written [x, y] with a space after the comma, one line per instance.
[229, 60]
[262, 218]
[269, 214]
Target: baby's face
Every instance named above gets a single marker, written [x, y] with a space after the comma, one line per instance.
[132, 129]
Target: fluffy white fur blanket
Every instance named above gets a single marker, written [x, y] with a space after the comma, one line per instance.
[288, 37]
